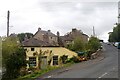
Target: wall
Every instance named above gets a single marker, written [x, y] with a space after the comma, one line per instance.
[55, 51]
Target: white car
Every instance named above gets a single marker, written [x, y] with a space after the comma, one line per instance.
[116, 44]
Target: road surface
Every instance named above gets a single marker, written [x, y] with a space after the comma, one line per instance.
[105, 66]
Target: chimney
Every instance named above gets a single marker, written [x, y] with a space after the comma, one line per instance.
[26, 37]
[49, 31]
[58, 34]
[39, 29]
[74, 29]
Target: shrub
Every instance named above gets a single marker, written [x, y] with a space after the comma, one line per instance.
[94, 44]
[74, 59]
[14, 63]
[63, 58]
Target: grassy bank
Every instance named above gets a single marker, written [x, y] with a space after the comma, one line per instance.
[41, 72]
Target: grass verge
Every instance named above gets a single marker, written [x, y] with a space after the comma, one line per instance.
[41, 72]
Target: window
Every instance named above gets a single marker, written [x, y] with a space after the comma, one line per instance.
[32, 49]
[55, 60]
[51, 37]
[32, 61]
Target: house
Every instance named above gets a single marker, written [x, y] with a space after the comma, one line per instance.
[40, 53]
[69, 37]
[46, 48]
[46, 36]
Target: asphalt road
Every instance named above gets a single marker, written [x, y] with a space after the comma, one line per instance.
[105, 66]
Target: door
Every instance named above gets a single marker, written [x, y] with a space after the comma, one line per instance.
[44, 63]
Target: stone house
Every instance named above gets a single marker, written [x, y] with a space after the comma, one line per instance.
[69, 37]
[46, 36]
[40, 53]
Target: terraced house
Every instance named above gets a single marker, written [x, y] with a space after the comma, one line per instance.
[70, 36]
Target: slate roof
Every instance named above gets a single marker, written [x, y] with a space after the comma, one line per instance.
[45, 32]
[65, 38]
[32, 42]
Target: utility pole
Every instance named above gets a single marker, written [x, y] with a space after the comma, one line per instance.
[8, 16]
[93, 31]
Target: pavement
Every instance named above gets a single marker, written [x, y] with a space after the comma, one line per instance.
[104, 66]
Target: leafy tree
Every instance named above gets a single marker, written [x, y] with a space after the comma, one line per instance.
[78, 45]
[9, 46]
[69, 46]
[14, 58]
[94, 44]
[115, 35]
[22, 36]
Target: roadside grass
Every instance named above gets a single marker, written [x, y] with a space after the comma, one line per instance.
[38, 73]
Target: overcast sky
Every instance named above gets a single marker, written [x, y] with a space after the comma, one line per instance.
[28, 15]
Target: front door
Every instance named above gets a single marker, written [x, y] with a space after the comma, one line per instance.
[44, 63]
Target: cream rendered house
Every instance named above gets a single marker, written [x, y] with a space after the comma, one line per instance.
[40, 54]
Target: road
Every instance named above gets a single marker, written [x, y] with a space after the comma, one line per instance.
[105, 66]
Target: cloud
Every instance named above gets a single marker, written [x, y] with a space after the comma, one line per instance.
[27, 16]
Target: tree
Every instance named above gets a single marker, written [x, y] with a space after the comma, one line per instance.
[9, 46]
[115, 35]
[94, 44]
[69, 46]
[22, 36]
[63, 58]
[78, 45]
[14, 58]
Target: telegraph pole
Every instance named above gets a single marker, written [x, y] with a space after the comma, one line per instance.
[8, 16]
[93, 31]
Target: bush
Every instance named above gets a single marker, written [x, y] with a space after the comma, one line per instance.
[77, 45]
[14, 63]
[74, 59]
[94, 44]
[63, 58]
[23, 71]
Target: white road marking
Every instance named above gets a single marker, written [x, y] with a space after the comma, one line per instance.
[103, 75]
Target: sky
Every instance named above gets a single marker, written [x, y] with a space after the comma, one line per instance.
[62, 16]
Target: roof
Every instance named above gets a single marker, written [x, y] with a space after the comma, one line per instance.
[32, 42]
[45, 32]
[85, 35]
[66, 38]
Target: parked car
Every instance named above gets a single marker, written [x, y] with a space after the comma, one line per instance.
[118, 46]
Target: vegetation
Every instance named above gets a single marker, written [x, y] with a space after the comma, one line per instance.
[115, 35]
[77, 45]
[14, 58]
[0, 53]
[80, 46]
[94, 44]
[9, 46]
[22, 36]
[63, 59]
[38, 73]
[74, 59]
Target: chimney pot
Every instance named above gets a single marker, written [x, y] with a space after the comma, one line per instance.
[74, 29]
[49, 31]
[58, 34]
[39, 29]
